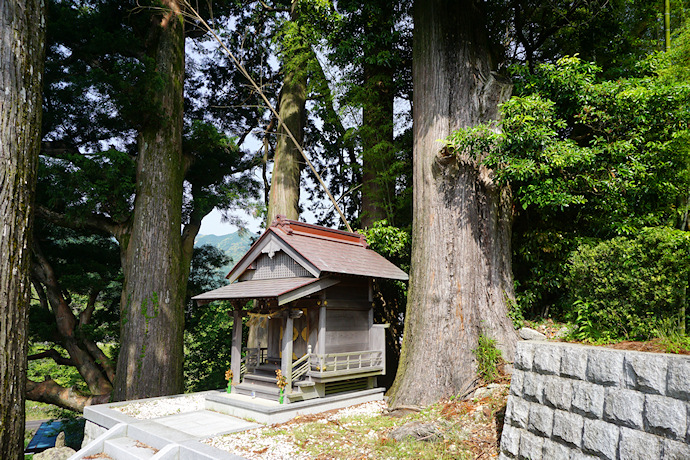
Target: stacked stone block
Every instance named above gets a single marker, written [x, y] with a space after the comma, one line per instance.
[577, 402]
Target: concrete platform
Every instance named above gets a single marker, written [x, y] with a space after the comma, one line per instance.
[205, 424]
[179, 436]
[265, 411]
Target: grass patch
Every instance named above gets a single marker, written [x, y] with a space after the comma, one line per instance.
[468, 429]
[488, 359]
[38, 410]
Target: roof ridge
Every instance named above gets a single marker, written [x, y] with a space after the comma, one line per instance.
[290, 227]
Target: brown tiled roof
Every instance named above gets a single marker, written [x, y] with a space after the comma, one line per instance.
[256, 289]
[330, 250]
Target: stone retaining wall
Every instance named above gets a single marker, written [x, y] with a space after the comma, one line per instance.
[577, 402]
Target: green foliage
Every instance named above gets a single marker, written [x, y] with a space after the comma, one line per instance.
[586, 159]
[66, 376]
[672, 338]
[208, 347]
[208, 327]
[488, 358]
[625, 287]
[391, 242]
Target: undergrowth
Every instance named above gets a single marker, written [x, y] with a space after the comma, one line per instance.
[488, 359]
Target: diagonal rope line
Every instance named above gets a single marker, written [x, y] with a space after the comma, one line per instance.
[244, 72]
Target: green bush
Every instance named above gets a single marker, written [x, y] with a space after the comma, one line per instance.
[626, 287]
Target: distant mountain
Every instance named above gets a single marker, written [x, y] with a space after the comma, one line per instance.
[235, 245]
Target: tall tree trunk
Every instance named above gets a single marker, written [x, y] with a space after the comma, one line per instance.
[22, 34]
[461, 260]
[378, 185]
[152, 305]
[285, 179]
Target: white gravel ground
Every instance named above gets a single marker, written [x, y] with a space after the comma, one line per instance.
[262, 443]
[162, 407]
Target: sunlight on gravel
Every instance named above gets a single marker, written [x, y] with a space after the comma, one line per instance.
[272, 442]
[162, 407]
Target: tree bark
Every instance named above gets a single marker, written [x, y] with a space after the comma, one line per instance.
[22, 50]
[150, 362]
[378, 185]
[461, 275]
[285, 179]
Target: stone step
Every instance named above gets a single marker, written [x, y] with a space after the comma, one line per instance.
[259, 391]
[125, 448]
[267, 367]
[260, 379]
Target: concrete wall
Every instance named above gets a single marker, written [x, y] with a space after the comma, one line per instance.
[577, 402]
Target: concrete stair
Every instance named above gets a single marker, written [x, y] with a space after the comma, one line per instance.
[261, 382]
[125, 448]
[258, 390]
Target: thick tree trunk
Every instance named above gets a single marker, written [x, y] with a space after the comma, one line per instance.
[22, 32]
[285, 179]
[461, 260]
[378, 185]
[152, 306]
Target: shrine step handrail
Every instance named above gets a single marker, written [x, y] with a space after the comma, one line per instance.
[300, 367]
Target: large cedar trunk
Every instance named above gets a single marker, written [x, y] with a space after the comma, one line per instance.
[461, 275]
[22, 32]
[378, 187]
[152, 306]
[285, 180]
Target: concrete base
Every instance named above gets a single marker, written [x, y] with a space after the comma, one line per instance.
[264, 411]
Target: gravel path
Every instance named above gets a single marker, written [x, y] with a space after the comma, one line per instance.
[162, 407]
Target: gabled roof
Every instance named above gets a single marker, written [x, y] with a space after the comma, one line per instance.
[284, 289]
[320, 251]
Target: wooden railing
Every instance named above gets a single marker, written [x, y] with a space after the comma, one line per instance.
[301, 366]
[345, 363]
[252, 358]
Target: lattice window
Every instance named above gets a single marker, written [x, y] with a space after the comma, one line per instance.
[280, 266]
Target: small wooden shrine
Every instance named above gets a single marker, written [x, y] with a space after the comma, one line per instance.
[312, 314]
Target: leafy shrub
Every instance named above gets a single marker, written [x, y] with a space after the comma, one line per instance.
[623, 288]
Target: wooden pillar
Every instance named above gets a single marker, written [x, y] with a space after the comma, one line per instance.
[286, 361]
[321, 345]
[236, 355]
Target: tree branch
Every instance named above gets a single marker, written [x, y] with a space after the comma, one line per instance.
[54, 355]
[98, 222]
[271, 9]
[85, 315]
[40, 292]
[50, 392]
[101, 359]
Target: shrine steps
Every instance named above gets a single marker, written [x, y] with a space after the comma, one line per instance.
[258, 390]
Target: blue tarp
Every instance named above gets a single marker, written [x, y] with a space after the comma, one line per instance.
[44, 437]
